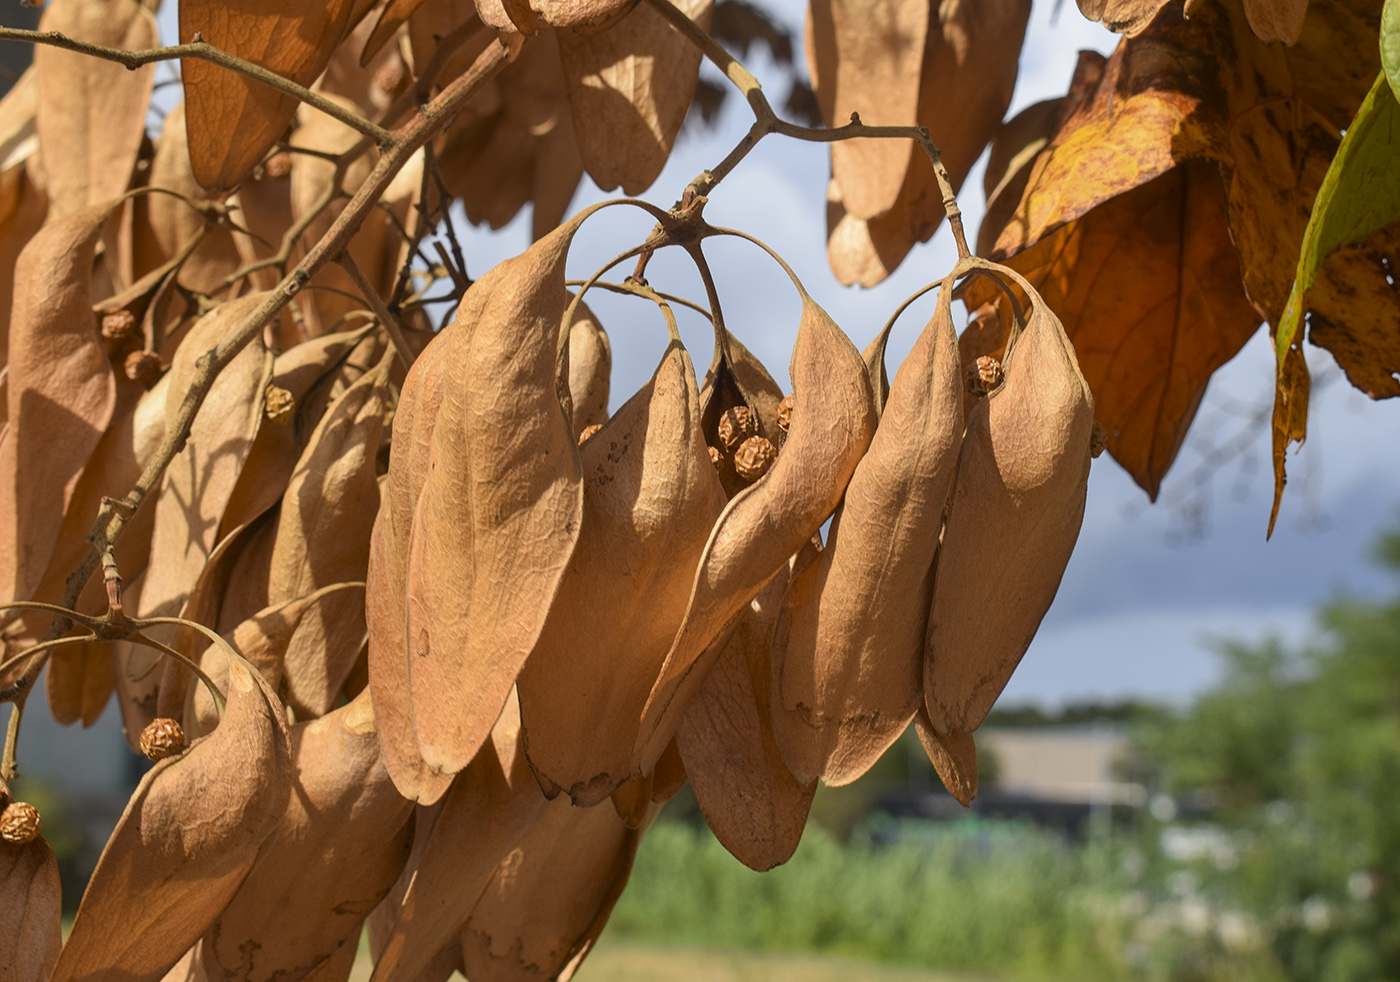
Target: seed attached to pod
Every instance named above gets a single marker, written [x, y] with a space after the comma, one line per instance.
[984, 375]
[19, 823]
[278, 165]
[279, 405]
[737, 425]
[716, 458]
[588, 431]
[143, 367]
[162, 738]
[118, 326]
[785, 413]
[1098, 439]
[754, 457]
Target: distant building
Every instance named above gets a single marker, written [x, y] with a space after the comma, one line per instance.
[1061, 777]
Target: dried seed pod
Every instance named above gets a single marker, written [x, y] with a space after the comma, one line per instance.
[118, 326]
[954, 757]
[1014, 517]
[590, 370]
[19, 823]
[143, 368]
[753, 458]
[849, 649]
[279, 405]
[650, 500]
[785, 413]
[767, 523]
[188, 837]
[736, 425]
[753, 803]
[162, 738]
[588, 431]
[336, 851]
[984, 375]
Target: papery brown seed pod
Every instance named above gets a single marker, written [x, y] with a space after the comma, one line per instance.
[1018, 501]
[754, 457]
[118, 326]
[848, 652]
[716, 458]
[162, 738]
[984, 375]
[736, 425]
[785, 413]
[19, 823]
[31, 928]
[588, 431]
[279, 406]
[143, 368]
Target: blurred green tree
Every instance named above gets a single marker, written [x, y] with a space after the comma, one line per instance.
[1298, 750]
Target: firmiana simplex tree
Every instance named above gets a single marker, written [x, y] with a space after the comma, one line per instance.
[420, 635]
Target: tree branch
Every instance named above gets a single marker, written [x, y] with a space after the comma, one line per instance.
[204, 51]
[766, 121]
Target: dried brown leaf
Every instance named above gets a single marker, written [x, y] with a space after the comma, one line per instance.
[630, 87]
[337, 850]
[867, 61]
[650, 498]
[233, 120]
[92, 112]
[188, 837]
[833, 420]
[1017, 504]
[31, 929]
[848, 651]
[753, 803]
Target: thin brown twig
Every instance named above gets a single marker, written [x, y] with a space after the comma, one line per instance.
[376, 304]
[766, 121]
[204, 51]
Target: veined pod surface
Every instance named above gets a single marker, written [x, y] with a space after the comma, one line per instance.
[385, 594]
[500, 509]
[752, 801]
[1017, 505]
[189, 836]
[491, 807]
[650, 499]
[833, 419]
[337, 850]
[849, 647]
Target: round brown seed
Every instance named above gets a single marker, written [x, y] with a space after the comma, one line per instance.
[19, 823]
[143, 367]
[118, 326]
[736, 425]
[279, 405]
[162, 738]
[984, 375]
[754, 458]
[716, 458]
[785, 413]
